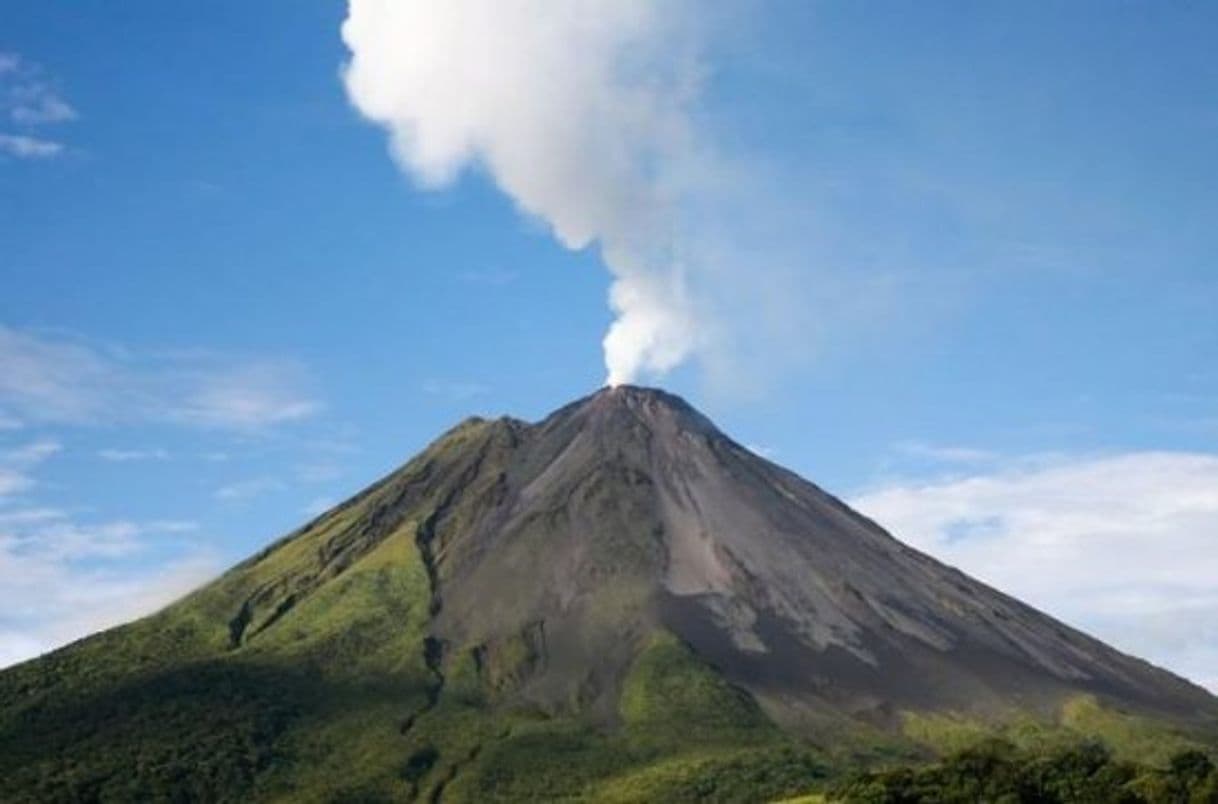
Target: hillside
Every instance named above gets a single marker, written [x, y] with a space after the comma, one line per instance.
[616, 603]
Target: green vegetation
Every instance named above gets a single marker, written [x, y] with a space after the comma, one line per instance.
[292, 672]
[671, 693]
[685, 735]
[996, 770]
[1128, 736]
[1131, 738]
[149, 709]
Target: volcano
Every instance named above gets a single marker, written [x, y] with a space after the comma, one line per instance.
[614, 599]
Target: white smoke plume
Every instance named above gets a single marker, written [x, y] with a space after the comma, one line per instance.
[580, 110]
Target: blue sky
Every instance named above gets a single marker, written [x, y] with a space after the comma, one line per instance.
[990, 228]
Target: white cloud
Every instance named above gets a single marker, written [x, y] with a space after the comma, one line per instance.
[43, 108]
[13, 482]
[59, 379]
[246, 396]
[46, 602]
[28, 516]
[61, 580]
[29, 99]
[60, 539]
[128, 455]
[17, 646]
[31, 453]
[15, 463]
[1125, 546]
[23, 146]
[28, 96]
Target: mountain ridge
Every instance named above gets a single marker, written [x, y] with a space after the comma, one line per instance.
[583, 580]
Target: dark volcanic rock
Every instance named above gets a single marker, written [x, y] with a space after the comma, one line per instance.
[628, 511]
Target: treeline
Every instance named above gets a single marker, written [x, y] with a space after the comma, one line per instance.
[996, 771]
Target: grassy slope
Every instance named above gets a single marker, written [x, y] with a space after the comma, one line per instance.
[685, 735]
[312, 701]
[175, 702]
[1130, 737]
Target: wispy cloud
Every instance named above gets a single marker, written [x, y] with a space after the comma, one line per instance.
[30, 99]
[23, 146]
[61, 580]
[31, 453]
[58, 379]
[129, 455]
[13, 482]
[49, 604]
[1123, 545]
[27, 516]
[28, 96]
[244, 396]
[43, 108]
[61, 379]
[16, 462]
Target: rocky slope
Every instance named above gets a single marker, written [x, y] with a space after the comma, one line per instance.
[629, 511]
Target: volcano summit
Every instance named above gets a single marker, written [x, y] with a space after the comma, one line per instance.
[600, 604]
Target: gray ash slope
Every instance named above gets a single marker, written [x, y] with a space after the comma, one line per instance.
[628, 512]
